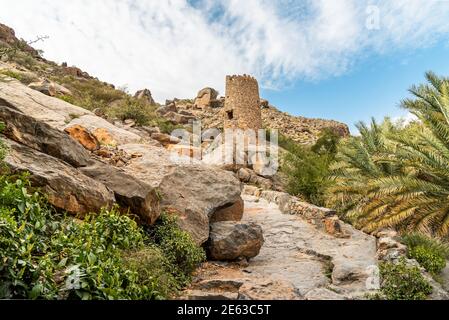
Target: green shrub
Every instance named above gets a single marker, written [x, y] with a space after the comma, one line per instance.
[178, 246]
[306, 174]
[402, 282]
[307, 169]
[430, 253]
[67, 98]
[430, 260]
[130, 108]
[327, 143]
[88, 93]
[52, 257]
[45, 255]
[25, 234]
[90, 254]
[166, 126]
[393, 175]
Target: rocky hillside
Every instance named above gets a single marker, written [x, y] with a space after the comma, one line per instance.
[78, 87]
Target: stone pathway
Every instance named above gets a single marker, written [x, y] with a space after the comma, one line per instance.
[297, 261]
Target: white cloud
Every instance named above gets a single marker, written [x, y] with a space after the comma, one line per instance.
[175, 47]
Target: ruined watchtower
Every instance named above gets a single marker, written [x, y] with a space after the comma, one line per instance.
[242, 105]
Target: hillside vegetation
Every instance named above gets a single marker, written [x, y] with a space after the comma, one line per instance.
[48, 255]
[398, 176]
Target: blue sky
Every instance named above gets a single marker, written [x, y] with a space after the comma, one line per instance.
[346, 60]
[373, 88]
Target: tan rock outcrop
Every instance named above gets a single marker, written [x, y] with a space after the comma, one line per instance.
[37, 134]
[84, 137]
[130, 193]
[66, 188]
[52, 111]
[104, 131]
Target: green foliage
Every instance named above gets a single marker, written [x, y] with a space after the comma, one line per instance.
[89, 93]
[165, 126]
[326, 143]
[21, 53]
[130, 108]
[23, 77]
[394, 176]
[90, 255]
[307, 169]
[359, 161]
[178, 246]
[430, 253]
[153, 271]
[107, 256]
[25, 230]
[402, 282]
[307, 173]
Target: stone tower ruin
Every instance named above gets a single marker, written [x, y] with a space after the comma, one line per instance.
[242, 105]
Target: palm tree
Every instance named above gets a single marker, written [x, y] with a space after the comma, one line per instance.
[400, 177]
[359, 161]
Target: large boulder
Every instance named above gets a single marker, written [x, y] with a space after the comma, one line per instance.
[192, 191]
[66, 187]
[205, 97]
[38, 135]
[104, 131]
[146, 96]
[49, 88]
[52, 111]
[231, 241]
[139, 197]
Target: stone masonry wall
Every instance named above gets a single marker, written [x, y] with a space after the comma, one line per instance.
[242, 106]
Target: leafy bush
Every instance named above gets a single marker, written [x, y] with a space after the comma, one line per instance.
[402, 282]
[306, 174]
[106, 256]
[326, 143]
[24, 240]
[165, 126]
[153, 271]
[393, 176]
[430, 253]
[130, 108]
[178, 246]
[306, 169]
[90, 252]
